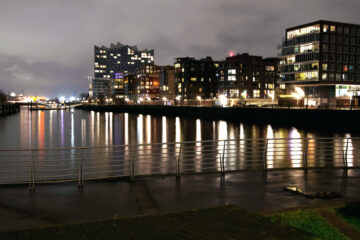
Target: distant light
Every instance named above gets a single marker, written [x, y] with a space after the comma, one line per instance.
[178, 97]
[198, 98]
[231, 53]
[62, 99]
[244, 94]
[223, 100]
[72, 99]
[12, 94]
[164, 99]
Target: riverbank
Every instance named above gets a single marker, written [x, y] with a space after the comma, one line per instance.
[308, 118]
[9, 108]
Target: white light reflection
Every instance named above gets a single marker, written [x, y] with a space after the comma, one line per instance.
[177, 135]
[295, 148]
[140, 128]
[177, 130]
[242, 147]
[349, 150]
[92, 125]
[62, 128]
[110, 128]
[98, 126]
[126, 130]
[106, 128]
[148, 129]
[222, 136]
[83, 132]
[198, 146]
[72, 130]
[164, 130]
[270, 147]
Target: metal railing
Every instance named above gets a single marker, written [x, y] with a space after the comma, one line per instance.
[31, 166]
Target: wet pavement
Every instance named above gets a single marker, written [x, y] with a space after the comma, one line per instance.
[65, 203]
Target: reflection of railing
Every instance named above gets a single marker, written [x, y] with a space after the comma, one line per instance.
[30, 166]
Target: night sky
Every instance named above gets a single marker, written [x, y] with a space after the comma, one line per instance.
[46, 46]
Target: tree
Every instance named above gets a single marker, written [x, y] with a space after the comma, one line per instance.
[3, 97]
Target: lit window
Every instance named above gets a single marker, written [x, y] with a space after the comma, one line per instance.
[193, 79]
[177, 65]
[232, 71]
[231, 78]
[270, 68]
[332, 28]
[256, 93]
[326, 28]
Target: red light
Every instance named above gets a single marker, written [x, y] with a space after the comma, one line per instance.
[231, 53]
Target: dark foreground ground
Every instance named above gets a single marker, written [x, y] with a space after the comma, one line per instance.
[215, 223]
[65, 204]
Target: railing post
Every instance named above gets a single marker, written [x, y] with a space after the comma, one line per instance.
[222, 160]
[32, 173]
[178, 163]
[80, 176]
[305, 155]
[346, 154]
[132, 170]
[265, 155]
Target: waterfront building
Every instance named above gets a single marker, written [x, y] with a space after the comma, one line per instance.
[130, 86]
[148, 82]
[112, 63]
[247, 76]
[167, 82]
[195, 78]
[323, 59]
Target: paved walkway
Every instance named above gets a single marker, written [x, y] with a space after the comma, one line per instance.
[64, 203]
[339, 223]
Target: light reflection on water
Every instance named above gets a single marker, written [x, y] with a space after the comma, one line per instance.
[76, 128]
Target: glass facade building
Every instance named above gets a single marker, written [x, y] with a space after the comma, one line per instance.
[322, 58]
[112, 64]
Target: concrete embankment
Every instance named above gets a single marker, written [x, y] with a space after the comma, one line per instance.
[315, 118]
[8, 108]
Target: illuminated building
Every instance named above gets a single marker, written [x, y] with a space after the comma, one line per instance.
[244, 75]
[148, 82]
[195, 78]
[130, 86]
[167, 82]
[322, 58]
[112, 64]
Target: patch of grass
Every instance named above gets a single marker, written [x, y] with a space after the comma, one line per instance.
[310, 221]
[214, 223]
[351, 214]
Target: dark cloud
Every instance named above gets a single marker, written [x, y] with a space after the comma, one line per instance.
[46, 46]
